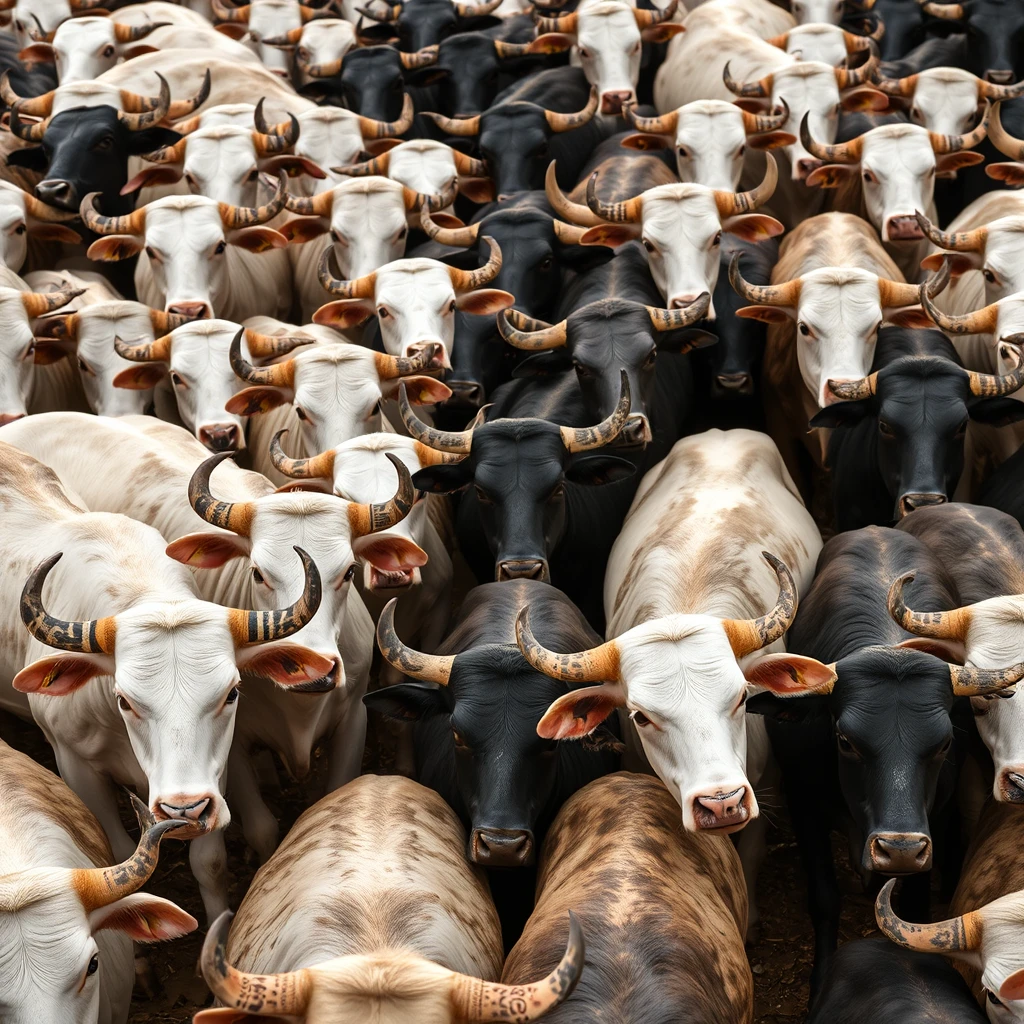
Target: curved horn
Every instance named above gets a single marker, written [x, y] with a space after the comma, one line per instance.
[378, 166]
[224, 13]
[950, 12]
[476, 10]
[508, 51]
[248, 216]
[567, 122]
[269, 346]
[646, 18]
[358, 288]
[954, 143]
[565, 207]
[854, 42]
[584, 439]
[959, 935]
[854, 390]
[373, 517]
[421, 201]
[34, 106]
[895, 86]
[319, 205]
[787, 294]
[749, 635]
[467, 165]
[269, 993]
[270, 138]
[457, 442]
[164, 323]
[252, 627]
[422, 58]
[172, 154]
[756, 123]
[430, 668]
[461, 126]
[371, 129]
[315, 467]
[132, 33]
[598, 665]
[987, 385]
[627, 212]
[552, 336]
[85, 636]
[849, 78]
[840, 153]
[731, 203]
[467, 280]
[998, 135]
[663, 124]
[984, 682]
[394, 10]
[761, 89]
[157, 351]
[998, 93]
[477, 1000]
[40, 303]
[461, 237]
[673, 319]
[893, 294]
[28, 131]
[290, 38]
[182, 108]
[280, 375]
[958, 241]
[981, 321]
[563, 23]
[145, 118]
[945, 625]
[568, 234]
[235, 516]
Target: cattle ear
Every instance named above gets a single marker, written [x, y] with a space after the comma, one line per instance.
[770, 140]
[646, 141]
[790, 675]
[112, 248]
[37, 53]
[32, 158]
[62, 673]
[912, 316]
[832, 175]
[952, 651]
[766, 314]
[753, 227]
[442, 479]
[540, 364]
[576, 714]
[140, 377]
[612, 235]
[408, 702]
[46, 352]
[390, 552]
[162, 174]
[662, 33]
[865, 98]
[949, 162]
[1011, 173]
[484, 301]
[344, 313]
[959, 262]
[552, 42]
[599, 469]
[207, 550]
[839, 414]
[143, 918]
[422, 77]
[998, 412]
[257, 239]
[421, 390]
[285, 664]
[149, 140]
[54, 233]
[139, 50]
[477, 190]
[1013, 987]
[233, 30]
[292, 165]
[253, 401]
[303, 229]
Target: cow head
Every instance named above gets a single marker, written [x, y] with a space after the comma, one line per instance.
[825, 43]
[1001, 322]
[269, 23]
[35, 19]
[994, 32]
[23, 216]
[372, 78]
[423, 23]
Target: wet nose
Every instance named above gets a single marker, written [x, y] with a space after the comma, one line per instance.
[636, 431]
[909, 502]
[903, 229]
[806, 166]
[900, 853]
[721, 810]
[57, 192]
[999, 77]
[466, 392]
[502, 847]
[194, 310]
[220, 437]
[523, 569]
[10, 417]
[734, 381]
[1011, 786]
[682, 301]
[185, 808]
[613, 101]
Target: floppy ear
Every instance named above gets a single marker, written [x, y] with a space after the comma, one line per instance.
[646, 141]
[293, 166]
[686, 340]
[286, 664]
[599, 469]
[257, 239]
[552, 42]
[1011, 173]
[164, 174]
[576, 714]
[421, 390]
[959, 262]
[766, 314]
[662, 33]
[485, 300]
[770, 140]
[112, 248]
[143, 918]
[947, 650]
[408, 702]
[253, 401]
[753, 227]
[38, 53]
[46, 352]
[477, 190]
[840, 414]
[912, 316]
[832, 175]
[954, 161]
[32, 158]
[53, 233]
[1013, 987]
[390, 552]
[344, 313]
[140, 377]
[303, 229]
[442, 479]
[790, 675]
[865, 98]
[62, 673]
[207, 550]
[612, 235]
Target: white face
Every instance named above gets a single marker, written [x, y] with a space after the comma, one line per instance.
[1000, 954]
[608, 45]
[1002, 262]
[221, 164]
[818, 42]
[829, 12]
[49, 12]
[837, 317]
[369, 229]
[238, 115]
[99, 364]
[17, 365]
[690, 690]
[270, 19]
[946, 101]
[423, 166]
[84, 49]
[13, 227]
[898, 177]
[329, 137]
[711, 142]
[807, 87]
[415, 304]
[326, 40]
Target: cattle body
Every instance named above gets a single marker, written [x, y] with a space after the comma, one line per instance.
[145, 727]
[648, 898]
[373, 934]
[58, 894]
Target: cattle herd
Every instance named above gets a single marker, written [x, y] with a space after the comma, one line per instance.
[530, 429]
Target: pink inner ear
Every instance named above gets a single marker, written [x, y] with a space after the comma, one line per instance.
[787, 675]
[1013, 987]
[144, 918]
[205, 550]
[579, 713]
[391, 553]
[287, 664]
[59, 675]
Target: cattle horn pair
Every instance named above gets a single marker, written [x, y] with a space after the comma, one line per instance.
[322, 203]
[470, 126]
[567, 234]
[65, 327]
[568, 23]
[378, 166]
[472, 1000]
[951, 625]
[846, 78]
[40, 303]
[854, 43]
[986, 90]
[261, 346]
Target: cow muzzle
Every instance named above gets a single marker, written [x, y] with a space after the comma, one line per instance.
[909, 502]
[1010, 786]
[614, 100]
[221, 437]
[637, 431]
[502, 847]
[903, 228]
[188, 808]
[523, 569]
[58, 192]
[466, 392]
[194, 310]
[722, 812]
[735, 383]
[899, 853]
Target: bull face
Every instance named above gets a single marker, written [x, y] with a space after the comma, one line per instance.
[372, 83]
[514, 142]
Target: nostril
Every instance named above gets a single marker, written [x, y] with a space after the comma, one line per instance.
[900, 853]
[57, 192]
[733, 381]
[910, 502]
[999, 77]
[1012, 787]
[194, 310]
[187, 811]
[220, 438]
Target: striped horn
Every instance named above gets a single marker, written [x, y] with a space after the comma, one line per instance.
[422, 58]
[460, 237]
[673, 319]
[467, 280]
[949, 12]
[393, 11]
[457, 442]
[598, 665]
[894, 294]
[584, 439]
[997, 93]
[850, 78]
[371, 129]
[279, 375]
[840, 153]
[981, 321]
[222, 12]
[269, 346]
[132, 33]
[383, 515]
[359, 288]
[414, 200]
[959, 935]
[732, 203]
[389, 367]
[28, 131]
[156, 351]
[548, 337]
[567, 122]
[507, 51]
[998, 135]
[172, 154]
[164, 323]
[235, 516]
[84, 636]
[568, 234]
[854, 390]
[289, 38]
[133, 223]
[477, 1000]
[268, 994]
[955, 143]
[319, 205]
[945, 625]
[249, 216]
[985, 682]
[152, 112]
[100, 887]
[563, 23]
[957, 241]
[787, 294]
[476, 10]
[565, 207]
[629, 211]
[760, 89]
[663, 124]
[854, 42]
[430, 668]
[34, 106]
[288, 129]
[647, 18]
[183, 108]
[753, 124]
[40, 303]
[895, 86]
[316, 467]
[377, 167]
[468, 166]
[749, 635]
[461, 126]
[987, 385]
[40, 211]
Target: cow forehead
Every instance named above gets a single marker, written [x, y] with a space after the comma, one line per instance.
[680, 208]
[607, 22]
[364, 473]
[709, 121]
[194, 220]
[416, 157]
[86, 94]
[98, 324]
[875, 680]
[274, 14]
[409, 280]
[84, 32]
[379, 212]
[316, 522]
[900, 144]
[849, 287]
[806, 85]
[239, 114]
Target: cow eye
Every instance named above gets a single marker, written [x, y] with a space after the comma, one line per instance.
[257, 576]
[350, 573]
[870, 177]
[683, 152]
[716, 241]
[30, 351]
[85, 367]
[846, 748]
[301, 413]
[944, 748]
[108, 50]
[483, 497]
[962, 429]
[221, 246]
[401, 236]
[94, 966]
[915, 113]
[804, 329]
[651, 357]
[742, 151]
[989, 276]
[177, 380]
[648, 246]
[584, 52]
[232, 696]
[382, 313]
[338, 237]
[558, 493]
[104, 144]
[546, 264]
[123, 704]
[994, 999]
[20, 229]
[638, 718]
[252, 175]
[885, 429]
[151, 253]
[451, 306]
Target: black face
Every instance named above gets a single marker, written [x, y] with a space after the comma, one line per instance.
[425, 23]
[904, 27]
[86, 150]
[471, 80]
[371, 82]
[514, 142]
[995, 32]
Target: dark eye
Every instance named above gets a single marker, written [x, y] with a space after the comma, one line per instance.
[582, 370]
[123, 704]
[94, 966]
[108, 50]
[994, 999]
[546, 264]
[177, 380]
[648, 246]
[805, 330]
[991, 278]
[20, 229]
[221, 246]
[232, 696]
[383, 313]
[742, 151]
[84, 367]
[639, 719]
[558, 493]
[451, 306]
[350, 573]
[717, 240]
[683, 152]
[301, 413]
[257, 576]
[151, 252]
[401, 234]
[885, 429]
[944, 749]
[104, 144]
[846, 748]
[962, 429]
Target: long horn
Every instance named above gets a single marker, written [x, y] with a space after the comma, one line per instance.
[462, 126]
[172, 154]
[454, 441]
[319, 205]
[749, 635]
[389, 367]
[892, 294]
[565, 24]
[133, 223]
[157, 351]
[895, 86]
[146, 118]
[787, 294]
[222, 12]
[584, 439]
[987, 385]
[477, 1000]
[567, 122]
[40, 303]
[289, 38]
[761, 89]
[100, 887]
[958, 241]
[393, 12]
[373, 517]
[164, 323]
[266, 993]
[414, 200]
[28, 131]
[358, 288]
[753, 124]
[371, 129]
[627, 212]
[467, 280]
[673, 319]
[422, 58]
[235, 516]
[269, 346]
[663, 124]
[248, 216]
[598, 665]
[984, 682]
[840, 153]
[849, 78]
[731, 203]
[279, 375]
[430, 668]
[467, 165]
[565, 207]
[947, 625]
[378, 166]
[460, 237]
[647, 18]
[855, 43]
[132, 33]
[34, 106]
[282, 136]
[959, 935]
[84, 636]
[508, 51]
[261, 627]
[981, 321]
[998, 93]
[552, 336]
[40, 211]
[568, 234]
[998, 135]
[955, 143]
[854, 390]
[182, 108]
[316, 467]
